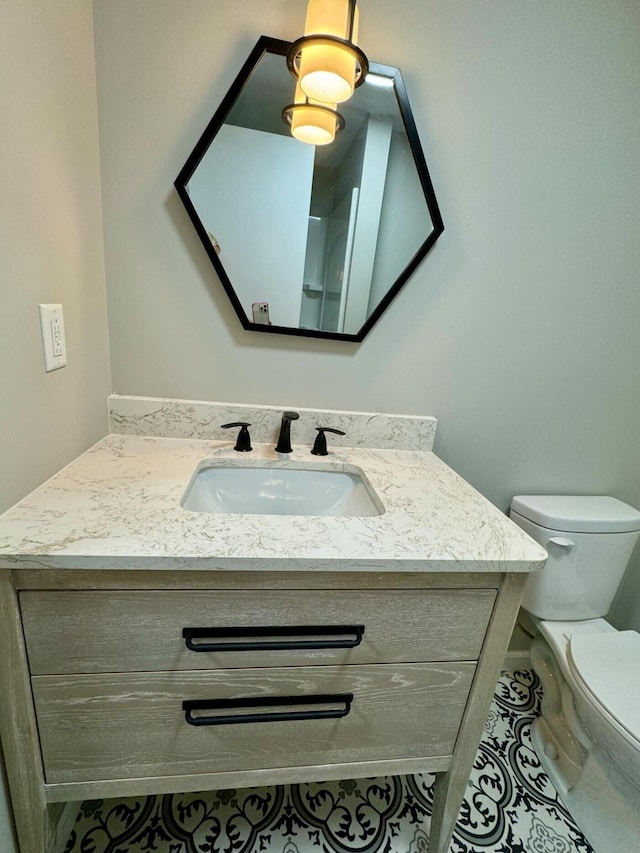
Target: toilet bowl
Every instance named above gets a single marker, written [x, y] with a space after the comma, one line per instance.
[594, 707]
[588, 735]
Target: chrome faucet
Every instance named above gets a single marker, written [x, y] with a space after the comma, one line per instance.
[284, 439]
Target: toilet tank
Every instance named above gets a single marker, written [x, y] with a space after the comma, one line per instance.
[589, 540]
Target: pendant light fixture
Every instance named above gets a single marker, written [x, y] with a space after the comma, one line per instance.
[326, 60]
[312, 121]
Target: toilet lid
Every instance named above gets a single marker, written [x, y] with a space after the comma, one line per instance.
[609, 667]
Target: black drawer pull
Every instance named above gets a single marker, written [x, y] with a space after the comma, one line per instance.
[232, 711]
[254, 639]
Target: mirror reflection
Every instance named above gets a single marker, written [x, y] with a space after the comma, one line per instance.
[310, 240]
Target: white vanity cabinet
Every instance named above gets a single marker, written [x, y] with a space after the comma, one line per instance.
[141, 681]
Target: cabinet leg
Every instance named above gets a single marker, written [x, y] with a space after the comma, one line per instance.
[446, 804]
[18, 730]
[451, 785]
[61, 819]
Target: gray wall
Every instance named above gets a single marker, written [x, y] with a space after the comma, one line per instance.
[51, 250]
[51, 241]
[519, 330]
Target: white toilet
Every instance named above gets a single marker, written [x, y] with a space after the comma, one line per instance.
[588, 736]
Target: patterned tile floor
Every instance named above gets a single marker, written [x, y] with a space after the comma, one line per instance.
[510, 806]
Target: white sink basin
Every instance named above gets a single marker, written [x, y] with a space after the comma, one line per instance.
[280, 488]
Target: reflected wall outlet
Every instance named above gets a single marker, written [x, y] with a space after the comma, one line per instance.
[53, 340]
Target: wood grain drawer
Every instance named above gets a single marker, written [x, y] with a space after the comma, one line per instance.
[111, 726]
[126, 631]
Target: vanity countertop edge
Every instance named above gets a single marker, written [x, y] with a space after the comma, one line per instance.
[118, 507]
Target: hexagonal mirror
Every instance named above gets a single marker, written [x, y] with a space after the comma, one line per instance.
[310, 240]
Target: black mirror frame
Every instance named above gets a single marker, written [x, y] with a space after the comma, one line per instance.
[266, 44]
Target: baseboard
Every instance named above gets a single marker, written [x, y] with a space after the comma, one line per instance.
[517, 659]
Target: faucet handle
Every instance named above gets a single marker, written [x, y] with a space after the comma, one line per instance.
[320, 444]
[243, 443]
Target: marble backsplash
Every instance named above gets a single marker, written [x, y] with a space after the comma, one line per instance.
[165, 418]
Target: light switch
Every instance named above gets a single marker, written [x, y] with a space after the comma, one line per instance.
[53, 340]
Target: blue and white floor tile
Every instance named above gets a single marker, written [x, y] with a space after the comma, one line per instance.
[510, 806]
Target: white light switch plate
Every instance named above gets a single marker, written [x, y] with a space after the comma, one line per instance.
[53, 340]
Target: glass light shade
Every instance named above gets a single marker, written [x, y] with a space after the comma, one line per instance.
[328, 71]
[310, 123]
[312, 126]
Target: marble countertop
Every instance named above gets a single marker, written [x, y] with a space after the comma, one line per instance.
[118, 507]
